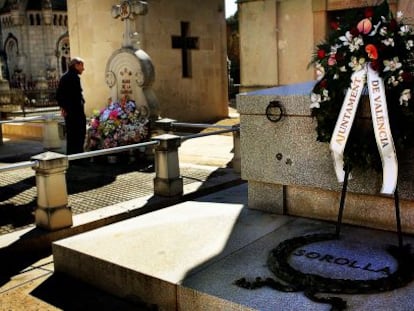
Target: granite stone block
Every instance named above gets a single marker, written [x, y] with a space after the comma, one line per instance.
[287, 153]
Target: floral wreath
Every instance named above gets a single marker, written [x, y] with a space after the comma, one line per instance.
[118, 124]
[370, 36]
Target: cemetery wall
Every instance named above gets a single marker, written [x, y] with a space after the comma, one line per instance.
[283, 31]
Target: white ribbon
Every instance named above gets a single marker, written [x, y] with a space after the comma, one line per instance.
[345, 119]
[382, 130]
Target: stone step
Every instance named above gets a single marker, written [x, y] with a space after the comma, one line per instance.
[28, 130]
[188, 256]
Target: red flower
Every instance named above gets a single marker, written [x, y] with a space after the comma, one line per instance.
[354, 32]
[323, 84]
[371, 51]
[407, 76]
[369, 12]
[339, 57]
[375, 64]
[321, 53]
[334, 25]
[113, 115]
[393, 25]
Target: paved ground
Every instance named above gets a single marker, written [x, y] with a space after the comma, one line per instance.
[27, 278]
[27, 281]
[90, 187]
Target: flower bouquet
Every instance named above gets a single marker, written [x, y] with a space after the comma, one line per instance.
[119, 124]
[370, 41]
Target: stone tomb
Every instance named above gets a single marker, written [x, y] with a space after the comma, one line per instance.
[188, 256]
[129, 71]
[289, 172]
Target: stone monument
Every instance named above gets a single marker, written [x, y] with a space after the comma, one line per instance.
[129, 70]
[296, 174]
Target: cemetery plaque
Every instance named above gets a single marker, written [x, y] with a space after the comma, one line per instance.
[323, 263]
[341, 259]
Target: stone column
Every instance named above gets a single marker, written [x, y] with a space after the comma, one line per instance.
[51, 139]
[164, 125]
[167, 181]
[52, 212]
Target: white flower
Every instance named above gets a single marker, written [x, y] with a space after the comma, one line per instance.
[334, 48]
[409, 44]
[336, 76]
[342, 69]
[347, 39]
[388, 42]
[405, 97]
[400, 76]
[383, 31]
[315, 100]
[356, 64]
[325, 95]
[392, 65]
[320, 71]
[404, 30]
[356, 43]
[400, 15]
[392, 81]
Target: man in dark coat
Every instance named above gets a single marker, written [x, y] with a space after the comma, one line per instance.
[70, 100]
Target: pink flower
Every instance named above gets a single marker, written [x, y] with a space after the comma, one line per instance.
[113, 115]
[332, 60]
[94, 123]
[365, 26]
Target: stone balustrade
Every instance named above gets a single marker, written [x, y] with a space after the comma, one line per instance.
[52, 212]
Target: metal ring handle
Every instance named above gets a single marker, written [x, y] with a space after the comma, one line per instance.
[274, 111]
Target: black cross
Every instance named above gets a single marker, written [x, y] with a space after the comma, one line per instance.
[185, 43]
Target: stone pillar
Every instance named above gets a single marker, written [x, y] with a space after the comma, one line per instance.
[164, 125]
[167, 181]
[236, 152]
[52, 212]
[51, 139]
